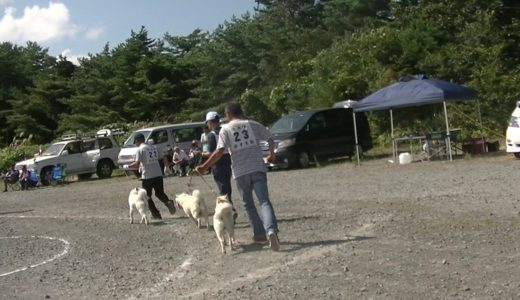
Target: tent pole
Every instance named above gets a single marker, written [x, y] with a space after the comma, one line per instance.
[394, 150]
[355, 136]
[448, 139]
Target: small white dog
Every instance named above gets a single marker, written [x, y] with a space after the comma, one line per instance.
[223, 223]
[194, 207]
[138, 200]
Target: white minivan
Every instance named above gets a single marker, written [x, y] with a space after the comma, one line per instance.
[513, 132]
[162, 137]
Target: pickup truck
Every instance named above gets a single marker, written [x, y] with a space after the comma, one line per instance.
[80, 155]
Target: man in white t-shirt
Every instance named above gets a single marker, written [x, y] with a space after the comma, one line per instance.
[147, 160]
[241, 137]
[180, 160]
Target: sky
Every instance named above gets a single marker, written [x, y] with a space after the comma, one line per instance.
[75, 28]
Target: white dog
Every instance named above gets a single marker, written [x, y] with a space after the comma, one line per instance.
[138, 200]
[223, 223]
[194, 207]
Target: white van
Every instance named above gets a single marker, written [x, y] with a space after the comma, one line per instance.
[513, 132]
[162, 137]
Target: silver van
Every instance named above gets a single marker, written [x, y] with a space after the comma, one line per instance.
[162, 137]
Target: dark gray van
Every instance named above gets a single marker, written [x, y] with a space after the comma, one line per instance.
[302, 136]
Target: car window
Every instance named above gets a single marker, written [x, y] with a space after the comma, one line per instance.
[338, 119]
[186, 134]
[317, 122]
[89, 145]
[289, 124]
[105, 143]
[53, 149]
[159, 136]
[74, 147]
[130, 141]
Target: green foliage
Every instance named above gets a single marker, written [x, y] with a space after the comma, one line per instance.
[20, 149]
[288, 55]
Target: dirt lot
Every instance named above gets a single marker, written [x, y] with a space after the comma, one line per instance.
[431, 230]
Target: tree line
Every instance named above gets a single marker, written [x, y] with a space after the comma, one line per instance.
[285, 56]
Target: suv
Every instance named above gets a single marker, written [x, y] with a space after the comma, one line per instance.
[316, 134]
[80, 155]
[513, 132]
[162, 137]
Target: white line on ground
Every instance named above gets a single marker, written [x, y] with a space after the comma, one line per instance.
[64, 252]
[156, 289]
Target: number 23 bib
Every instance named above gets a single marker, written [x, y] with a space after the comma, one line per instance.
[242, 137]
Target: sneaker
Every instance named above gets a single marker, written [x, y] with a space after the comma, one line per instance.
[274, 243]
[259, 238]
[171, 207]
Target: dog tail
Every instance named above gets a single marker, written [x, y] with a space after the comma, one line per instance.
[196, 193]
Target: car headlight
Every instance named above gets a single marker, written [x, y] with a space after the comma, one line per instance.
[286, 143]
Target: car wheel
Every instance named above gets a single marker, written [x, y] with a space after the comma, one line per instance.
[303, 160]
[45, 176]
[517, 154]
[104, 169]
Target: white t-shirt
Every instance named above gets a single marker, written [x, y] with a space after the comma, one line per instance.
[180, 156]
[148, 156]
[241, 138]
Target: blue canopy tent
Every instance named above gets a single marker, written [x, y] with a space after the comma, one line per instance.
[415, 91]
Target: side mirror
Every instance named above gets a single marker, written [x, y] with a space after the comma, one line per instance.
[65, 152]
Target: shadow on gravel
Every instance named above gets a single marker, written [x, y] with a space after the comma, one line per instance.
[295, 246]
[15, 212]
[295, 219]
[298, 245]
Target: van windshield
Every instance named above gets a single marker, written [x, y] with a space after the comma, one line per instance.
[290, 123]
[129, 143]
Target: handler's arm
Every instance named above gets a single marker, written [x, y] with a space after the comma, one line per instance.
[134, 164]
[215, 156]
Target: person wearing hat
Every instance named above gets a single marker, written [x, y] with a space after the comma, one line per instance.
[147, 160]
[222, 169]
[241, 139]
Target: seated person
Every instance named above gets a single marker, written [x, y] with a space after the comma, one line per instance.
[168, 162]
[25, 178]
[180, 160]
[10, 177]
[195, 154]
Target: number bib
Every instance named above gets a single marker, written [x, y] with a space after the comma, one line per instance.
[242, 136]
[151, 155]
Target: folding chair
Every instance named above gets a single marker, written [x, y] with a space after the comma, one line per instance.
[58, 175]
[435, 146]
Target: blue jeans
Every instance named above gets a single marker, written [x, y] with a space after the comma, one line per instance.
[257, 182]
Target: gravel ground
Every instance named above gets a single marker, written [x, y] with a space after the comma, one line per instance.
[435, 230]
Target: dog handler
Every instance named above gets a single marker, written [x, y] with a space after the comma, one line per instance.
[241, 137]
[222, 168]
[147, 159]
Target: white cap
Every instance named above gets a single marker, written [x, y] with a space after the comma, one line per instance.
[212, 115]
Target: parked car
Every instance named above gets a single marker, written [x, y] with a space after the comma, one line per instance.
[81, 155]
[162, 137]
[513, 132]
[321, 133]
